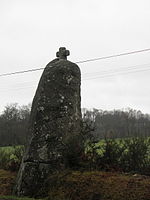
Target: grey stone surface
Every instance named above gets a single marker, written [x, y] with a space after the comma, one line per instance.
[62, 53]
[55, 116]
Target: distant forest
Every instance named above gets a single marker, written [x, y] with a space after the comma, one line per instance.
[107, 124]
[14, 124]
[118, 123]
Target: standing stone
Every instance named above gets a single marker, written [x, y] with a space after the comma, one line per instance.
[55, 116]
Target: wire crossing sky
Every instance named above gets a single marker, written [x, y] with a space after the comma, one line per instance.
[80, 62]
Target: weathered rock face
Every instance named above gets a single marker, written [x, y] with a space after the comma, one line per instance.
[55, 116]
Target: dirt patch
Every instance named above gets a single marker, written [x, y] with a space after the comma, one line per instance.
[7, 180]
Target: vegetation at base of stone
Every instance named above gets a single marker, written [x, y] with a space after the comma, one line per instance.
[74, 150]
[10, 157]
[7, 180]
[125, 155]
[72, 153]
[76, 185]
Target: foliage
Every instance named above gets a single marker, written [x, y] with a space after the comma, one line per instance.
[10, 158]
[84, 153]
[128, 155]
[72, 153]
[74, 146]
[4, 159]
[110, 156]
[136, 155]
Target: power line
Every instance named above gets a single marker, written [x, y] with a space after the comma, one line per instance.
[21, 72]
[134, 67]
[113, 56]
[80, 62]
[99, 75]
[124, 70]
[118, 73]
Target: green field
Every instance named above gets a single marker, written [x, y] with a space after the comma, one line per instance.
[10, 148]
[99, 146]
[12, 151]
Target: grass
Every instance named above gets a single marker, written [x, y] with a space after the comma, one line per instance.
[15, 198]
[7, 180]
[76, 185]
[10, 149]
[7, 148]
[98, 185]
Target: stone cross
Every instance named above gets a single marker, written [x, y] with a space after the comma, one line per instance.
[62, 53]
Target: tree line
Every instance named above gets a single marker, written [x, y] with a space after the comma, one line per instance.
[14, 124]
[105, 124]
[118, 123]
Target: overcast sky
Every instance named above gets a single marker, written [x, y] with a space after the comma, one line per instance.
[31, 31]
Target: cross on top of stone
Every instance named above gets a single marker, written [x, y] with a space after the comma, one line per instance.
[62, 53]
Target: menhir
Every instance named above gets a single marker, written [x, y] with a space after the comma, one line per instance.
[55, 118]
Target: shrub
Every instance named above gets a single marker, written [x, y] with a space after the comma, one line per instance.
[112, 152]
[72, 153]
[4, 159]
[10, 160]
[128, 155]
[136, 154]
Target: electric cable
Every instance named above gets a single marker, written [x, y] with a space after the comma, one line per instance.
[80, 62]
[32, 84]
